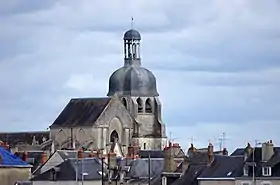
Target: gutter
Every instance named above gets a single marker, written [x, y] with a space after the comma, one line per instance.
[218, 178]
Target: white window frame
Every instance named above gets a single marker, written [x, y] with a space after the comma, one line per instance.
[268, 171]
[163, 180]
[245, 171]
[246, 183]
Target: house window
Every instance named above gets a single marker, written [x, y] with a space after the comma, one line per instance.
[144, 146]
[266, 171]
[246, 183]
[53, 175]
[245, 171]
[164, 181]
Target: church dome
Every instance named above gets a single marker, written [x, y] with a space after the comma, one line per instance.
[132, 35]
[133, 81]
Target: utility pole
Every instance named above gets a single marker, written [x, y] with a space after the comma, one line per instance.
[102, 170]
[254, 163]
[149, 166]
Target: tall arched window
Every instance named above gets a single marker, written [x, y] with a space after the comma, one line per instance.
[124, 102]
[148, 106]
[114, 136]
[140, 105]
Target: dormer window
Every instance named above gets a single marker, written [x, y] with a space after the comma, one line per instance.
[266, 171]
[245, 170]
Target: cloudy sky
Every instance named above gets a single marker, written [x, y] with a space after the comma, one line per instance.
[217, 62]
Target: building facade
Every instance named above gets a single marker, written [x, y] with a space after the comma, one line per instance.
[130, 114]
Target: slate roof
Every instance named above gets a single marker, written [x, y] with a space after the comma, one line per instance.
[10, 160]
[15, 138]
[69, 168]
[81, 112]
[190, 176]
[198, 158]
[274, 160]
[138, 168]
[224, 167]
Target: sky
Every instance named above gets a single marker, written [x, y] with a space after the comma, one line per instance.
[217, 63]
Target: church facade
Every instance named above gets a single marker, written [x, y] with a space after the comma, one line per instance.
[129, 115]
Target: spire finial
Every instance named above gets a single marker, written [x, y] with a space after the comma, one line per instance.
[132, 22]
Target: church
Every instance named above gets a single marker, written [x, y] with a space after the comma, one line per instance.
[130, 114]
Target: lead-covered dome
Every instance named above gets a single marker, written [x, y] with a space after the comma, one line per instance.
[132, 35]
[133, 81]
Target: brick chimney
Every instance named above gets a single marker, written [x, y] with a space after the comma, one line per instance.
[169, 152]
[210, 154]
[133, 151]
[267, 150]
[1, 159]
[44, 158]
[248, 151]
[191, 150]
[112, 161]
[80, 154]
[24, 156]
[225, 151]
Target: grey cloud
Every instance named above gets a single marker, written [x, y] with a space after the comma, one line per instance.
[214, 61]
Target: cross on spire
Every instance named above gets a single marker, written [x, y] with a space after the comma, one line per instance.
[132, 22]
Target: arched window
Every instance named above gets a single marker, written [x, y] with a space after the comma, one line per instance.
[124, 102]
[114, 136]
[140, 105]
[148, 106]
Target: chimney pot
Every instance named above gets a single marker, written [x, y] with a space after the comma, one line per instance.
[44, 158]
[24, 156]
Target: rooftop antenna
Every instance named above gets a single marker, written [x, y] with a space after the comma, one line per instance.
[192, 140]
[223, 140]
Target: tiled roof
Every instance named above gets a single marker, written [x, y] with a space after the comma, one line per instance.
[8, 159]
[81, 112]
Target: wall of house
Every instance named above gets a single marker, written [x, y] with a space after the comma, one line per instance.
[224, 182]
[9, 176]
[97, 182]
[259, 182]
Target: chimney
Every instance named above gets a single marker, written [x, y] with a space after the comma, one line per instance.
[191, 150]
[248, 151]
[169, 152]
[44, 158]
[225, 151]
[133, 151]
[112, 160]
[210, 154]
[80, 154]
[24, 156]
[267, 150]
